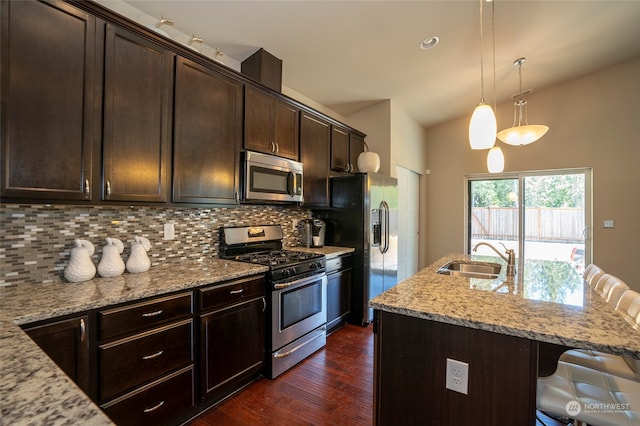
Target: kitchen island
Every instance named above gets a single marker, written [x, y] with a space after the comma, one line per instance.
[33, 390]
[496, 327]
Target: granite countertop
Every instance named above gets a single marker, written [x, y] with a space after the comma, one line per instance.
[33, 390]
[328, 251]
[548, 301]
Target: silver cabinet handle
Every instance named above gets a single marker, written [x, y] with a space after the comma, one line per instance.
[277, 148]
[236, 291]
[152, 356]
[83, 330]
[152, 314]
[108, 188]
[264, 304]
[273, 146]
[154, 408]
[236, 196]
[87, 188]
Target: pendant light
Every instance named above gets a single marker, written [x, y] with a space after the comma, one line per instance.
[521, 133]
[483, 126]
[495, 160]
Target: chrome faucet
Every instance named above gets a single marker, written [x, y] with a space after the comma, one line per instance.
[510, 257]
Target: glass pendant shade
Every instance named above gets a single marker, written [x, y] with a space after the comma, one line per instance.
[495, 160]
[522, 135]
[483, 127]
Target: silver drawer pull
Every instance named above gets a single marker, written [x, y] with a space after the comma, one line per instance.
[154, 408]
[152, 314]
[152, 356]
[236, 291]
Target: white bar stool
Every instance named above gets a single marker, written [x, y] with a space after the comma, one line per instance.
[590, 396]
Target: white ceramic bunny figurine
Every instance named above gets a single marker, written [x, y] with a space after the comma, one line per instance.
[138, 260]
[111, 264]
[81, 267]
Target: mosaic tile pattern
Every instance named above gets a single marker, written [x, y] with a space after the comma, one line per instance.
[36, 240]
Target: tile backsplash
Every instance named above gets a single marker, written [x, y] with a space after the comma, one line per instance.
[36, 240]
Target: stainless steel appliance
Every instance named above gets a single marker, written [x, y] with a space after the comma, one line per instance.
[364, 215]
[297, 303]
[313, 232]
[270, 178]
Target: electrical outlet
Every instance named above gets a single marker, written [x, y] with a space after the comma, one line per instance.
[457, 378]
[294, 224]
[608, 223]
[169, 231]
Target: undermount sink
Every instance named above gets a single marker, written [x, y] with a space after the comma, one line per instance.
[489, 271]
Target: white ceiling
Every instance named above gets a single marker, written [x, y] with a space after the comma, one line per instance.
[347, 55]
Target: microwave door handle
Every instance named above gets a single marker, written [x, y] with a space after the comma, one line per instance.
[291, 183]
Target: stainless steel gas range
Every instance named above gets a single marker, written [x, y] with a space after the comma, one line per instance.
[298, 298]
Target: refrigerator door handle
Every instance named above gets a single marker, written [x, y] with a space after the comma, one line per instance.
[385, 208]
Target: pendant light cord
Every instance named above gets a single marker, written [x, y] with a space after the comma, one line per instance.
[481, 59]
[493, 38]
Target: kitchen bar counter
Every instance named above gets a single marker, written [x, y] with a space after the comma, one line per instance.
[33, 390]
[545, 303]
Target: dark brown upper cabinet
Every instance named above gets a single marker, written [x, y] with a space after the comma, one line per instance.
[315, 136]
[207, 135]
[138, 87]
[345, 149]
[48, 66]
[271, 125]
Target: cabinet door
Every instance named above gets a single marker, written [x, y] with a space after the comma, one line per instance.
[286, 133]
[47, 99]
[356, 147]
[207, 135]
[232, 342]
[258, 112]
[340, 149]
[315, 135]
[338, 297]
[138, 85]
[66, 342]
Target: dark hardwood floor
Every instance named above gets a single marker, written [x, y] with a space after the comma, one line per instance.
[334, 386]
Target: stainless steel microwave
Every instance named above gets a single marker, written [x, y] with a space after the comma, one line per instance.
[270, 178]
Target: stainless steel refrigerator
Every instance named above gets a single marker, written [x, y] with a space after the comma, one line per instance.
[364, 215]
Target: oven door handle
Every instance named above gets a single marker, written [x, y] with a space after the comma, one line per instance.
[300, 346]
[304, 280]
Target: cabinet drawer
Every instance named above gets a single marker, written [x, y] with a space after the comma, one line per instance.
[338, 263]
[130, 362]
[156, 403]
[140, 316]
[231, 293]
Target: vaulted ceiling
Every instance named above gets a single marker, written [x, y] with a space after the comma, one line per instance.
[347, 55]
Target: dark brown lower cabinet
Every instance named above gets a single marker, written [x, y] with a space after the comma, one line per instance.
[66, 342]
[410, 373]
[338, 291]
[232, 337]
[156, 403]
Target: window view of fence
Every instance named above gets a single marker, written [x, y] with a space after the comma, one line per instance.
[553, 207]
[544, 224]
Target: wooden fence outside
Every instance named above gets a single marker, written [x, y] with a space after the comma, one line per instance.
[542, 224]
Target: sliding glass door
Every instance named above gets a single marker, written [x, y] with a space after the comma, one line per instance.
[542, 215]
